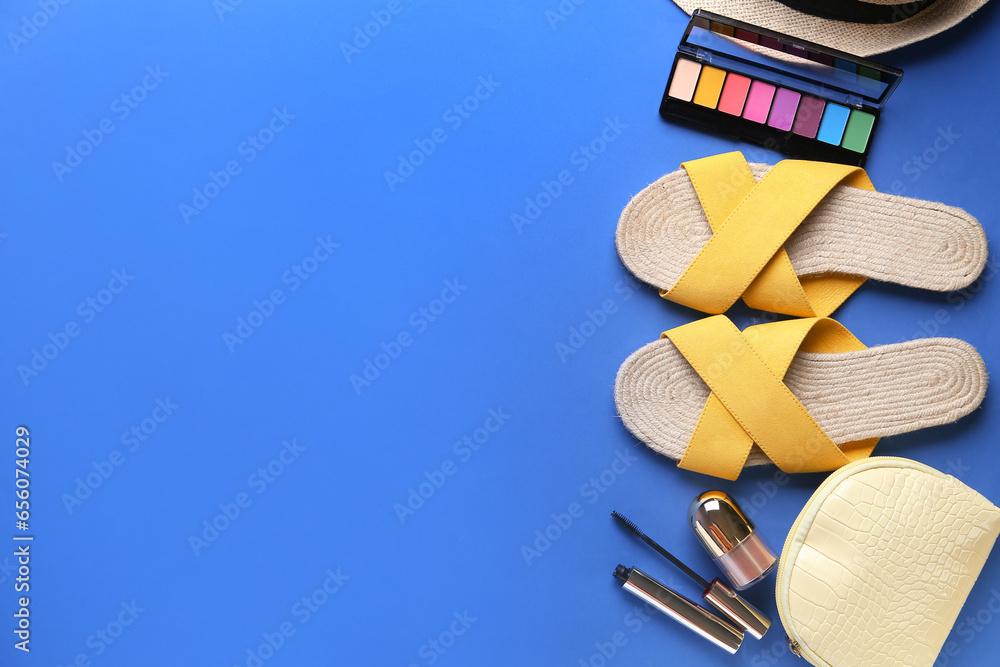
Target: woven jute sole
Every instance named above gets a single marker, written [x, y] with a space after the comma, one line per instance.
[880, 391]
[857, 232]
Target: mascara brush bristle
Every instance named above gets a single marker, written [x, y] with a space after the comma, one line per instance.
[628, 524]
[660, 550]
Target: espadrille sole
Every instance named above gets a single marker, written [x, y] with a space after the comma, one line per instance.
[856, 232]
[875, 392]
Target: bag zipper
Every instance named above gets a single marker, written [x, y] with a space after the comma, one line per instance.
[793, 645]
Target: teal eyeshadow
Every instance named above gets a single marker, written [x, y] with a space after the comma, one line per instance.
[831, 128]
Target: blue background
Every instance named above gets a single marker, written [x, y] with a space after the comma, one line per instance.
[363, 451]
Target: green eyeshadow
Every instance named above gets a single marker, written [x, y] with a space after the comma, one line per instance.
[859, 128]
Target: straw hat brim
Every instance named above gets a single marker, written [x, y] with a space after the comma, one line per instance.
[855, 38]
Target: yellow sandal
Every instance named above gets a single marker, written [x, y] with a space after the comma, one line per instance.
[804, 394]
[797, 238]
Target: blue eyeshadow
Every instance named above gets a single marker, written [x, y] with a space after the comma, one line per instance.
[831, 128]
[845, 65]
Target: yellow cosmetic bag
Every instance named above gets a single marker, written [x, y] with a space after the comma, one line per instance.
[879, 563]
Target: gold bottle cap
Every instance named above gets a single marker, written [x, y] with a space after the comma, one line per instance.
[719, 522]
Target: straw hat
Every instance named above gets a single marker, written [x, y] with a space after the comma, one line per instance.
[859, 27]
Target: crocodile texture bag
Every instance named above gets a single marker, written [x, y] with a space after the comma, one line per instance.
[879, 563]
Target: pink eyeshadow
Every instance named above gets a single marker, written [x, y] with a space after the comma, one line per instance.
[734, 94]
[758, 101]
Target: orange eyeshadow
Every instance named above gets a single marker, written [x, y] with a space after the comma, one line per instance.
[709, 86]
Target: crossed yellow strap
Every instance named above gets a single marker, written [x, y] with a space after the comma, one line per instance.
[749, 403]
[750, 223]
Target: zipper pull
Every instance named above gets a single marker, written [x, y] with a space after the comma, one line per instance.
[793, 647]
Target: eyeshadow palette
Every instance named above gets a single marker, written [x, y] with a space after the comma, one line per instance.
[802, 99]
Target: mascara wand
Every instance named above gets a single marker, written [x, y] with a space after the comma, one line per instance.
[663, 552]
[716, 593]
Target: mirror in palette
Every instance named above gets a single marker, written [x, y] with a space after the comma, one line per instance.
[811, 70]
